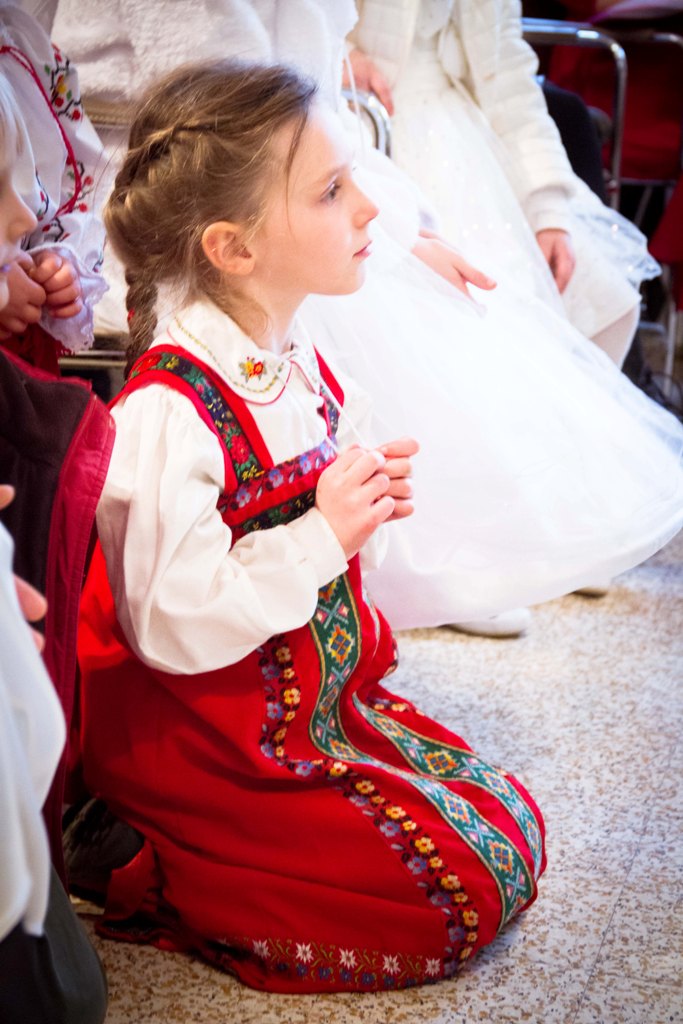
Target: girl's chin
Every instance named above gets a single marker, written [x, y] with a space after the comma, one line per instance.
[349, 286]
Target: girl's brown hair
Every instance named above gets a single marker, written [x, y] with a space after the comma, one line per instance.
[200, 150]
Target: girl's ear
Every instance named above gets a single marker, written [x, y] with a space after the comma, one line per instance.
[223, 248]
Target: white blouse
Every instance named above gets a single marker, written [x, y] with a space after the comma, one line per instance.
[187, 601]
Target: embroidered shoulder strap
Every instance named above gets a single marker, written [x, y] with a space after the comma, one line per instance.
[223, 411]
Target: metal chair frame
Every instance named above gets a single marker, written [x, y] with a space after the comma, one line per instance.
[368, 105]
[671, 330]
[546, 32]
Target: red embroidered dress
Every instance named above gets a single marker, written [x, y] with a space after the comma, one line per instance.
[306, 829]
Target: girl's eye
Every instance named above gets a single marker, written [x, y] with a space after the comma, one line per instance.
[331, 193]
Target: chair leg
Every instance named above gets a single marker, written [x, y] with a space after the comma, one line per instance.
[673, 341]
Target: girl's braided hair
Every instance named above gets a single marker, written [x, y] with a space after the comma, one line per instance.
[200, 150]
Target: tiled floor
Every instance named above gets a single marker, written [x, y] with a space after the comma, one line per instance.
[587, 710]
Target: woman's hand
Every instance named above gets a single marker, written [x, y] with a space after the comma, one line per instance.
[444, 260]
[558, 252]
[59, 278]
[352, 494]
[399, 470]
[368, 78]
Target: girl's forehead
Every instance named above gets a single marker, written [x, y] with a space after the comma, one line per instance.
[323, 147]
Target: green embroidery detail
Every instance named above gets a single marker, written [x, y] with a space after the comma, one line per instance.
[335, 628]
[434, 758]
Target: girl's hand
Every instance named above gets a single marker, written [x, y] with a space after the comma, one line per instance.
[33, 605]
[352, 495]
[368, 78]
[26, 299]
[558, 251]
[399, 470]
[59, 278]
[443, 259]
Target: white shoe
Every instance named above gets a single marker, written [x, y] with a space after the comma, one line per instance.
[595, 589]
[506, 624]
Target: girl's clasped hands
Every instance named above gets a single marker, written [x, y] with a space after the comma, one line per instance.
[364, 488]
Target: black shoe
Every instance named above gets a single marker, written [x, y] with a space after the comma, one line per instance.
[96, 843]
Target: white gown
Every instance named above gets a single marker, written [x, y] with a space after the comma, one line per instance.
[542, 468]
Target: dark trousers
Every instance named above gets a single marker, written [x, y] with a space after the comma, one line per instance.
[56, 978]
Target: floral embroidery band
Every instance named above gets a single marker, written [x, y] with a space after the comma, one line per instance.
[244, 461]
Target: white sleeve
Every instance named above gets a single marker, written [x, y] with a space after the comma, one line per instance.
[502, 68]
[548, 208]
[188, 599]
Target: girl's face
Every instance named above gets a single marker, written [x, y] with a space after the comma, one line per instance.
[16, 220]
[314, 239]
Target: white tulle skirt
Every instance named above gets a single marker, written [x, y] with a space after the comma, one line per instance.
[444, 143]
[542, 468]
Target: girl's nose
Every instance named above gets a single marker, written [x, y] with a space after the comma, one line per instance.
[367, 209]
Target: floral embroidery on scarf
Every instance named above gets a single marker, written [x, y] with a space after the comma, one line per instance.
[65, 102]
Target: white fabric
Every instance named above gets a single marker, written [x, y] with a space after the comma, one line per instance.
[32, 735]
[541, 467]
[43, 177]
[123, 46]
[496, 171]
[189, 602]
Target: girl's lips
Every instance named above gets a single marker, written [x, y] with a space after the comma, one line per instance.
[365, 251]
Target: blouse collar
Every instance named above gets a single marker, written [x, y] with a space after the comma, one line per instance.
[256, 374]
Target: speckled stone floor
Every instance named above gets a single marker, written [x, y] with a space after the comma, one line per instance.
[587, 709]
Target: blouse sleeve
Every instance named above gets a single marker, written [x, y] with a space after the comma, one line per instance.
[502, 69]
[188, 599]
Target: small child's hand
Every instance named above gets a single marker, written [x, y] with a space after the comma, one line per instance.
[352, 495]
[398, 468]
[26, 299]
[61, 282]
